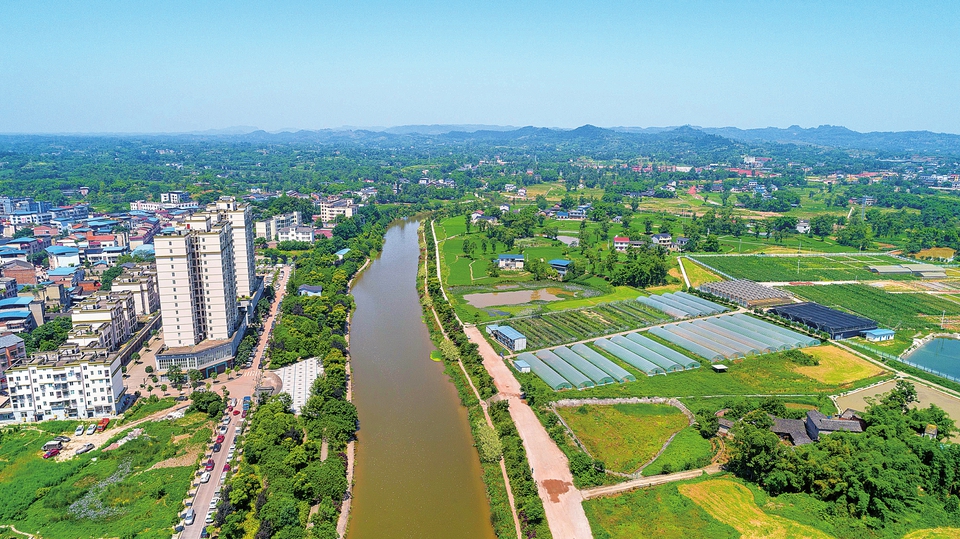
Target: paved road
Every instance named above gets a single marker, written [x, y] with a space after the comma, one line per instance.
[561, 500]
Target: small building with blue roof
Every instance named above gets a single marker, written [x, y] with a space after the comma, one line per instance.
[510, 262]
[560, 265]
[876, 335]
[507, 336]
[61, 256]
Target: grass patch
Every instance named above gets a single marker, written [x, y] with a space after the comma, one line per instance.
[734, 504]
[144, 408]
[934, 533]
[837, 366]
[687, 451]
[624, 436]
[660, 512]
[697, 273]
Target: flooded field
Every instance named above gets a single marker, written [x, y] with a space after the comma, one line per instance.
[514, 297]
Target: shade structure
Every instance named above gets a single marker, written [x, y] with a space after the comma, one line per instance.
[838, 324]
[701, 301]
[773, 339]
[687, 344]
[572, 375]
[616, 371]
[667, 364]
[709, 325]
[666, 351]
[545, 373]
[801, 339]
[592, 371]
[707, 343]
[657, 304]
[684, 302]
[645, 366]
[712, 337]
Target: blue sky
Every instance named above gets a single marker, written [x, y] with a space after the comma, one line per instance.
[182, 66]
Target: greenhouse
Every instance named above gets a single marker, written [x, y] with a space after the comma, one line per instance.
[676, 303]
[661, 306]
[651, 356]
[545, 373]
[700, 301]
[777, 342]
[686, 344]
[564, 369]
[616, 371]
[592, 371]
[643, 365]
[726, 351]
[713, 337]
[759, 344]
[687, 304]
[800, 339]
[838, 324]
[666, 351]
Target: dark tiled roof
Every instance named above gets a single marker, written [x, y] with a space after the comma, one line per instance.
[796, 429]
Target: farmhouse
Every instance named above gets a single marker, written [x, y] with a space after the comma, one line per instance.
[620, 243]
[561, 266]
[838, 324]
[818, 424]
[509, 337]
[803, 226]
[510, 262]
[747, 293]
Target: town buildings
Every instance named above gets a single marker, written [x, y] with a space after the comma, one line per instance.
[270, 227]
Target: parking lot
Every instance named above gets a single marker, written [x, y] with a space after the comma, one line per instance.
[297, 379]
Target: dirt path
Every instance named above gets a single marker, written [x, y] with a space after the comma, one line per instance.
[561, 500]
[642, 482]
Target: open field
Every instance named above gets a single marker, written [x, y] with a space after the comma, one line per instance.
[926, 396]
[698, 274]
[791, 244]
[687, 451]
[624, 436]
[116, 493]
[901, 311]
[734, 505]
[934, 533]
[837, 366]
[838, 267]
[937, 252]
[552, 329]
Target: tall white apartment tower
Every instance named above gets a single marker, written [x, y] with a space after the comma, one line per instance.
[241, 222]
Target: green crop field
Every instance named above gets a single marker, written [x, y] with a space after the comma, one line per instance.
[555, 328]
[916, 311]
[687, 451]
[838, 267]
[624, 436]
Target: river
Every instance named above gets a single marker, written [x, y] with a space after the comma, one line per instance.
[417, 473]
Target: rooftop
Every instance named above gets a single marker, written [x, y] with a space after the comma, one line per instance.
[19, 301]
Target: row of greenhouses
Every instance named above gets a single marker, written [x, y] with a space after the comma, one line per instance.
[682, 305]
[734, 336]
[575, 367]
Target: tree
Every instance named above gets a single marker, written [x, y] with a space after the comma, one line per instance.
[196, 377]
[822, 225]
[176, 376]
[711, 244]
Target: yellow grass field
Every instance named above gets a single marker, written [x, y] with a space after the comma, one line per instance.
[734, 505]
[624, 436]
[934, 533]
[837, 366]
[697, 273]
[936, 252]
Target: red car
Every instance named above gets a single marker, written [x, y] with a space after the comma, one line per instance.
[244, 414]
[229, 408]
[219, 439]
[226, 467]
[209, 465]
[51, 453]
[236, 412]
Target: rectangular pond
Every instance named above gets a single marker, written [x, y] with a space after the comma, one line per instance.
[940, 356]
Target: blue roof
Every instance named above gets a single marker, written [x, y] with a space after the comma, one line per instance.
[14, 315]
[510, 333]
[115, 249]
[22, 240]
[520, 364]
[510, 257]
[62, 250]
[145, 248]
[560, 262]
[342, 252]
[63, 272]
[102, 222]
[11, 251]
[878, 332]
[17, 301]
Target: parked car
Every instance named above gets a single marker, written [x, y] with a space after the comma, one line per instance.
[91, 429]
[204, 534]
[79, 431]
[214, 502]
[52, 453]
[226, 467]
[209, 465]
[53, 444]
[205, 477]
[63, 439]
[85, 448]
[244, 414]
[216, 447]
[220, 439]
[189, 516]
[236, 412]
[210, 516]
[223, 429]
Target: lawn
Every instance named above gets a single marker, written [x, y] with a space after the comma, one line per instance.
[116, 493]
[687, 451]
[734, 505]
[837, 366]
[624, 436]
[900, 311]
[697, 273]
[839, 267]
[144, 408]
[934, 533]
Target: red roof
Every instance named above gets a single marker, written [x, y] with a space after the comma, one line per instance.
[621, 239]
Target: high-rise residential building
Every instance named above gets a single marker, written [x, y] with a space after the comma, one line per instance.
[241, 222]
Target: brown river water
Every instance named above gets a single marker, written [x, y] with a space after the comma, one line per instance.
[417, 473]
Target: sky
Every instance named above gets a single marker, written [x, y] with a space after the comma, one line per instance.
[148, 67]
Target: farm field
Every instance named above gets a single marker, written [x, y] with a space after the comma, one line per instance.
[747, 244]
[697, 273]
[624, 436]
[136, 489]
[837, 267]
[734, 505]
[837, 366]
[556, 328]
[687, 451]
[916, 311]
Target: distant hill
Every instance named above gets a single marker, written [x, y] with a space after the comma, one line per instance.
[843, 138]
[440, 129]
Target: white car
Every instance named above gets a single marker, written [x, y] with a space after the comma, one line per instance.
[210, 516]
[214, 502]
[79, 431]
[91, 429]
[205, 477]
